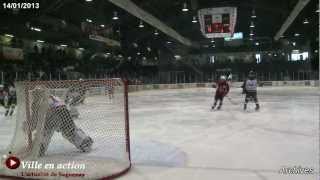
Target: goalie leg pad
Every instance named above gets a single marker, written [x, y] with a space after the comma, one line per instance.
[44, 144]
[74, 112]
[82, 141]
[70, 131]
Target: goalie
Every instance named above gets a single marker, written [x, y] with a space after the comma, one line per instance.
[56, 118]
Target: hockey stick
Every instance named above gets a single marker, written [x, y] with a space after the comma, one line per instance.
[231, 101]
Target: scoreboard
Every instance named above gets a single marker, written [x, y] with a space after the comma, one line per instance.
[217, 22]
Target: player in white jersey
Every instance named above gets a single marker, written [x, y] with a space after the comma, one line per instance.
[57, 118]
[250, 89]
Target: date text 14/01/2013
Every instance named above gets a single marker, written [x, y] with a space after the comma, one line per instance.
[13, 5]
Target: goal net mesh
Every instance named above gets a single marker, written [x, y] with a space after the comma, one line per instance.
[70, 129]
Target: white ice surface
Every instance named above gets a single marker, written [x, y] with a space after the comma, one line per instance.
[174, 135]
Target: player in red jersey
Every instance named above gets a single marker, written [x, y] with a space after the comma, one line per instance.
[221, 91]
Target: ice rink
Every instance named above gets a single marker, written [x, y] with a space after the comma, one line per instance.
[175, 135]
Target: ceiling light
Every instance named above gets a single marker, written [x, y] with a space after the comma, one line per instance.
[194, 19]
[40, 41]
[177, 57]
[108, 53]
[138, 53]
[306, 21]
[317, 11]
[251, 39]
[253, 15]
[35, 29]
[102, 25]
[213, 46]
[135, 45]
[88, 0]
[89, 20]
[9, 35]
[149, 49]
[251, 33]
[141, 24]
[115, 15]
[169, 42]
[63, 45]
[294, 43]
[156, 32]
[185, 7]
[252, 24]
[257, 43]
[212, 40]
[296, 34]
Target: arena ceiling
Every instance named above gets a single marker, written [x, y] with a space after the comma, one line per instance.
[60, 21]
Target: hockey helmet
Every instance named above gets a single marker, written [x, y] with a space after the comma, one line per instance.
[223, 78]
[251, 74]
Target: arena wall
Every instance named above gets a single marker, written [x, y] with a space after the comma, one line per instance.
[134, 88]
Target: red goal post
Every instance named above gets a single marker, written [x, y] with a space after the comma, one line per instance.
[105, 120]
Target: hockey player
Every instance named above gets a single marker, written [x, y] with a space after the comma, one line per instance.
[110, 90]
[3, 95]
[56, 118]
[230, 77]
[7, 99]
[221, 91]
[249, 88]
[12, 100]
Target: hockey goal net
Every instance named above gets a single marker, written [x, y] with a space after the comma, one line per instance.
[70, 129]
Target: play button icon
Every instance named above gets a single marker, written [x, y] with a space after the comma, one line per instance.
[12, 162]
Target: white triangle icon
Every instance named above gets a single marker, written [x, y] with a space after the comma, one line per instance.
[12, 162]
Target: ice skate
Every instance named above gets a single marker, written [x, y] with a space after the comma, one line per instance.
[86, 144]
[257, 107]
[213, 106]
[6, 113]
[245, 107]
